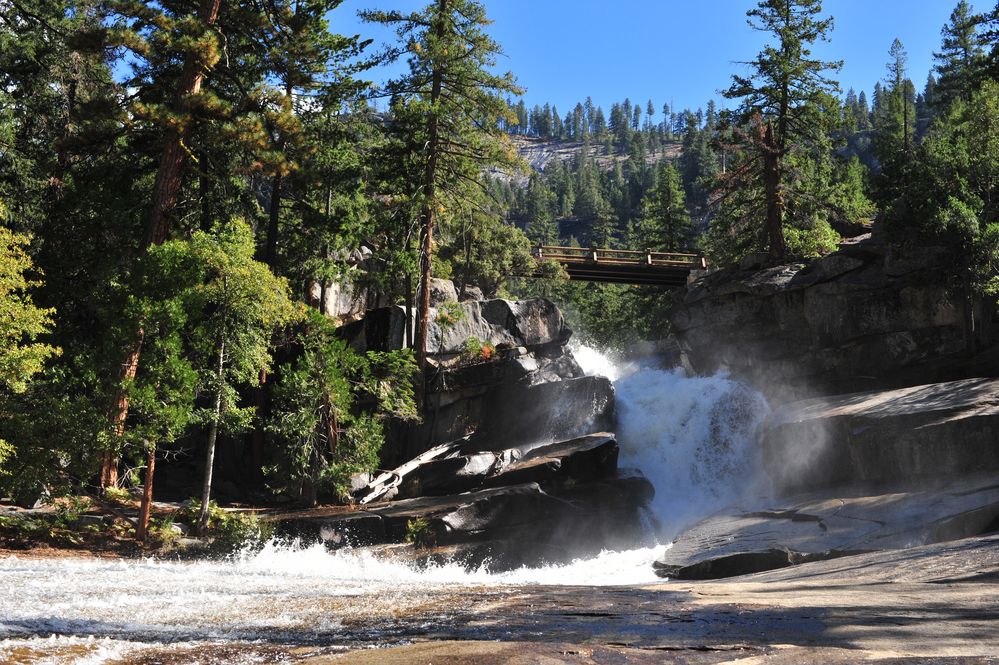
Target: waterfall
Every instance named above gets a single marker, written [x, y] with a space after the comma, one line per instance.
[693, 437]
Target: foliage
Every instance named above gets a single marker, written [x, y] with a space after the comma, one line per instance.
[330, 406]
[448, 109]
[237, 303]
[782, 101]
[665, 223]
[952, 194]
[51, 428]
[487, 252]
[21, 322]
[449, 314]
[420, 534]
[477, 350]
[229, 531]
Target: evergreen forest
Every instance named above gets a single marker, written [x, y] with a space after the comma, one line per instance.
[184, 184]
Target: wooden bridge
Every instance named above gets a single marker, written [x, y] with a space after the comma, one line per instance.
[623, 266]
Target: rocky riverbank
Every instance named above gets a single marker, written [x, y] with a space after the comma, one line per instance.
[932, 604]
[867, 317]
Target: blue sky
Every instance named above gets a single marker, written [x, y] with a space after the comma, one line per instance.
[679, 50]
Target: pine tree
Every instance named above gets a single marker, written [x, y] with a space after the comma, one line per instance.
[894, 125]
[523, 119]
[901, 93]
[863, 112]
[665, 225]
[451, 89]
[990, 40]
[201, 49]
[783, 92]
[961, 57]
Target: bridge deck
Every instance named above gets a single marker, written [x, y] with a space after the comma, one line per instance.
[624, 266]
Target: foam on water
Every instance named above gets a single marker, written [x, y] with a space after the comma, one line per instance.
[692, 437]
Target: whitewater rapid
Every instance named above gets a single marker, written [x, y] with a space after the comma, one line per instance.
[693, 437]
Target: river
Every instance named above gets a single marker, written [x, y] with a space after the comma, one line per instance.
[693, 438]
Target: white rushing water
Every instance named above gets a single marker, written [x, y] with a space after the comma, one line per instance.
[692, 437]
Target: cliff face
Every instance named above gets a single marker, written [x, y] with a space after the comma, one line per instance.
[862, 318]
[530, 390]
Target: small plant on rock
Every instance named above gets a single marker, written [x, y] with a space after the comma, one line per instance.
[449, 315]
[420, 534]
[476, 349]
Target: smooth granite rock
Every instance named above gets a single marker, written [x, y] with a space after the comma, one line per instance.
[860, 318]
[931, 431]
[829, 525]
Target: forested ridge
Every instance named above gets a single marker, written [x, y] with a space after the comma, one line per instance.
[182, 183]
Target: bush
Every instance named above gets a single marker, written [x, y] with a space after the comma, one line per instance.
[419, 533]
[476, 349]
[229, 531]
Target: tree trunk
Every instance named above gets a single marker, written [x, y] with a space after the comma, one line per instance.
[428, 212]
[142, 529]
[775, 205]
[119, 412]
[468, 265]
[213, 430]
[270, 245]
[169, 177]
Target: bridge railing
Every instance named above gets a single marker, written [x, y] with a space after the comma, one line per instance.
[621, 257]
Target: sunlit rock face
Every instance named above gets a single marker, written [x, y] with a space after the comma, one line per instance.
[526, 388]
[863, 318]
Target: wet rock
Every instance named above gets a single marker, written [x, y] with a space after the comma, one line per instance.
[455, 474]
[518, 415]
[507, 526]
[456, 467]
[504, 408]
[817, 527]
[931, 431]
[511, 508]
[386, 486]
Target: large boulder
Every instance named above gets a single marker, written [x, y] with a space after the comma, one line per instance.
[828, 525]
[861, 318]
[516, 507]
[457, 467]
[533, 324]
[500, 527]
[580, 460]
[525, 389]
[442, 291]
[929, 432]
[517, 399]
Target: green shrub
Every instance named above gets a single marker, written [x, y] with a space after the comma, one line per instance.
[420, 534]
[476, 349]
[229, 531]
